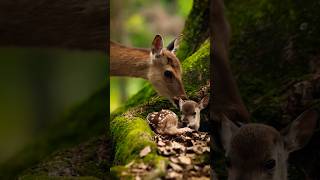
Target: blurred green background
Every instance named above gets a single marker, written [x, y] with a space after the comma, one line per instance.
[135, 23]
[39, 86]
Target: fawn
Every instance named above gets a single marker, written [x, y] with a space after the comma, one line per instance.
[160, 66]
[190, 112]
[253, 151]
[167, 122]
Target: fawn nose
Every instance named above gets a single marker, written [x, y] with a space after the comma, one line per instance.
[185, 123]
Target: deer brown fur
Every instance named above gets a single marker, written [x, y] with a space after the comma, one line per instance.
[158, 65]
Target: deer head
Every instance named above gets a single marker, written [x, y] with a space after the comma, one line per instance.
[191, 112]
[260, 152]
[165, 70]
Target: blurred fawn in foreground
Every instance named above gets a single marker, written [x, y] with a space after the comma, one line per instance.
[253, 151]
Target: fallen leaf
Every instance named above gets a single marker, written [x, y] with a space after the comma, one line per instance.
[175, 167]
[145, 151]
[161, 143]
[174, 175]
[184, 160]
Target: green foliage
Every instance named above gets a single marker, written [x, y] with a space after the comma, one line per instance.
[184, 7]
[133, 85]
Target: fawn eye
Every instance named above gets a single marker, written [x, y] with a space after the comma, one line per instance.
[269, 164]
[194, 113]
[168, 74]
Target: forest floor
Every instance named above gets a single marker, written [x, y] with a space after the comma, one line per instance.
[187, 155]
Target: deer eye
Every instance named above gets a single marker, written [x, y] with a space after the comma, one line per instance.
[269, 164]
[168, 74]
[194, 113]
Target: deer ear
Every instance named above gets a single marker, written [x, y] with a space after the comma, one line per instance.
[181, 102]
[204, 102]
[300, 131]
[174, 45]
[157, 44]
[228, 129]
[170, 46]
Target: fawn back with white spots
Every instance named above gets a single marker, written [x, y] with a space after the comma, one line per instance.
[165, 122]
[253, 151]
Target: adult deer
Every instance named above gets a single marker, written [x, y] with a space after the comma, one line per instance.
[253, 151]
[159, 65]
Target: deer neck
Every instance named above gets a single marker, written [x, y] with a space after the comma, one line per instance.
[126, 61]
[226, 94]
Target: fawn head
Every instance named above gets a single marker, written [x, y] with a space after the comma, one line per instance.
[191, 112]
[260, 152]
[165, 72]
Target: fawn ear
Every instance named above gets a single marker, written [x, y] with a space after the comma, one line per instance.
[176, 101]
[228, 129]
[204, 102]
[157, 45]
[181, 102]
[300, 131]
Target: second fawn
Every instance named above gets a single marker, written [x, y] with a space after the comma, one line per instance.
[190, 112]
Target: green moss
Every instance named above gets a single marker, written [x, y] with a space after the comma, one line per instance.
[196, 69]
[130, 135]
[196, 29]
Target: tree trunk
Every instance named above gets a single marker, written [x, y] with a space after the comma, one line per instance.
[72, 24]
